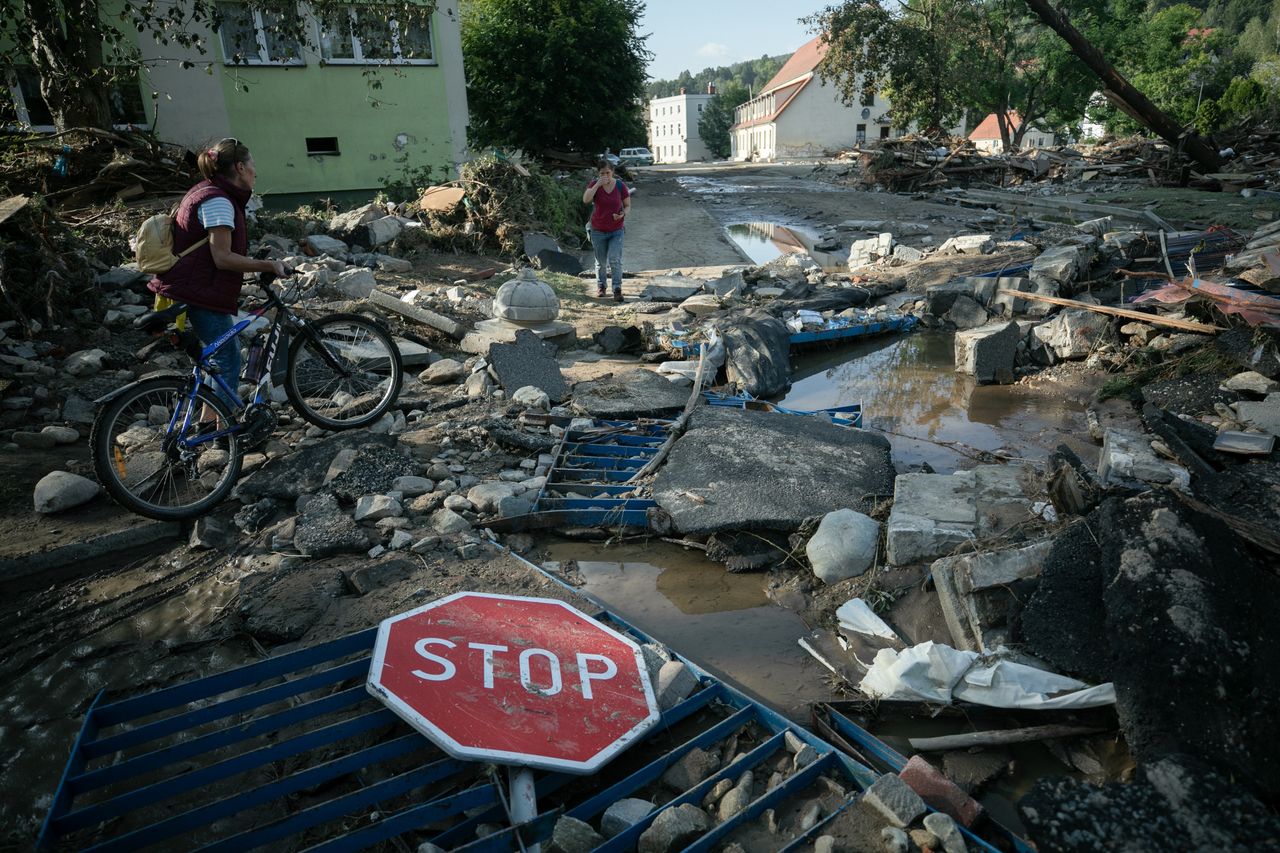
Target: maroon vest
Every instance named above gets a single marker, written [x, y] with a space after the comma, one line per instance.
[195, 280]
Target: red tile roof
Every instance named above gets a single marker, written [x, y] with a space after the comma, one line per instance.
[990, 126]
[802, 62]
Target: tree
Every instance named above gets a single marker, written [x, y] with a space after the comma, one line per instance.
[750, 74]
[80, 48]
[545, 75]
[717, 118]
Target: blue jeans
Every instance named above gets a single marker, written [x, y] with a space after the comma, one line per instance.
[608, 249]
[210, 326]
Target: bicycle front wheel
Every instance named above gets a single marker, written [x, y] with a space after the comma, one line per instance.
[149, 465]
[344, 372]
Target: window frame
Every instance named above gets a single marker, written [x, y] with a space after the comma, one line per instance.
[260, 37]
[357, 50]
[9, 79]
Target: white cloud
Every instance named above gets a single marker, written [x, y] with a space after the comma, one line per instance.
[713, 50]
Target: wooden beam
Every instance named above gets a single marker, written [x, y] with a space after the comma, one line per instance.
[996, 737]
[1153, 319]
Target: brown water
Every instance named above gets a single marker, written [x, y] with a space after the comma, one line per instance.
[909, 389]
[721, 621]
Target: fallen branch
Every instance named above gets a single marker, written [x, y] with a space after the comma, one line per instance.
[1154, 319]
[678, 427]
[996, 737]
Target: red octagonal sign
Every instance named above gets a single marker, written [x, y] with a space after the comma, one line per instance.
[513, 680]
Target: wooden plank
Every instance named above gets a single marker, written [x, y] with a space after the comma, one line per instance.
[998, 737]
[1154, 319]
[1061, 204]
[12, 205]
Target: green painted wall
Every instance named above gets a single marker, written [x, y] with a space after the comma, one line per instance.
[283, 106]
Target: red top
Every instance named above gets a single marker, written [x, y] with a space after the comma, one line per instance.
[605, 205]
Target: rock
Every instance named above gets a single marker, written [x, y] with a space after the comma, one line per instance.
[738, 798]
[62, 434]
[730, 282]
[282, 607]
[623, 814]
[355, 283]
[844, 545]
[758, 355]
[324, 529]
[478, 385]
[701, 304]
[675, 683]
[61, 490]
[388, 263]
[968, 244]
[412, 486]
[864, 252]
[487, 495]
[528, 361]
[383, 230]
[532, 398]
[1128, 460]
[924, 839]
[1063, 264]
[987, 352]
[824, 844]
[628, 394]
[674, 829]
[934, 513]
[1264, 415]
[694, 766]
[978, 591]
[894, 840]
[1073, 333]
[1251, 382]
[516, 505]
[966, 313]
[575, 836]
[946, 831]
[211, 532]
[939, 792]
[1097, 228]
[458, 503]
[670, 289]
[446, 521]
[446, 371]
[374, 507]
[322, 244]
[34, 440]
[84, 363]
[908, 254]
[894, 800]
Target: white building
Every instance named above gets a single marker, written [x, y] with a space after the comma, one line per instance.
[986, 136]
[797, 114]
[673, 127]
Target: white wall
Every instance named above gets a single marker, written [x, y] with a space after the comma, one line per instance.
[816, 121]
[673, 129]
[191, 109]
[448, 35]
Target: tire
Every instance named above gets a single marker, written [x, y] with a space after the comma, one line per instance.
[357, 394]
[139, 463]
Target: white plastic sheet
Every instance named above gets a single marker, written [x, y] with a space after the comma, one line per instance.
[933, 672]
[856, 615]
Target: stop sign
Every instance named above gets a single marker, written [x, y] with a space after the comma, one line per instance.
[529, 681]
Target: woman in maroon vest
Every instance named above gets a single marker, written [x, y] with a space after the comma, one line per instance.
[208, 280]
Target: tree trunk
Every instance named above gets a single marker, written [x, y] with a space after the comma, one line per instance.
[1002, 121]
[66, 51]
[1140, 107]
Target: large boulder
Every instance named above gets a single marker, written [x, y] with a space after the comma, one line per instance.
[844, 545]
[1072, 334]
[987, 352]
[61, 490]
[758, 355]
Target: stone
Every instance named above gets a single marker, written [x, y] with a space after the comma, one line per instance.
[458, 503]
[616, 339]
[446, 521]
[486, 496]
[670, 289]
[934, 513]
[701, 304]
[825, 844]
[84, 363]
[694, 766]
[78, 410]
[987, 353]
[623, 814]
[559, 262]
[1063, 264]
[972, 770]
[674, 829]
[738, 797]
[1251, 382]
[374, 507]
[384, 230]
[1128, 460]
[945, 830]
[1006, 304]
[894, 840]
[528, 361]
[389, 263]
[1263, 416]
[123, 276]
[675, 683]
[1096, 227]
[758, 354]
[755, 470]
[59, 491]
[534, 399]
[864, 224]
[33, 440]
[323, 244]
[977, 591]
[575, 836]
[478, 385]
[844, 545]
[1072, 334]
[968, 244]
[212, 532]
[908, 254]
[939, 792]
[628, 394]
[864, 252]
[282, 606]
[446, 371]
[411, 486]
[894, 800]
[323, 529]
[355, 283]
[966, 313]
[61, 434]
[730, 282]
[924, 839]
[516, 505]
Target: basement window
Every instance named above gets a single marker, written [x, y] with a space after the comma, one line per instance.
[322, 146]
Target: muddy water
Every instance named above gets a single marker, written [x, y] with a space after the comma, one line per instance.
[909, 389]
[764, 241]
[721, 621]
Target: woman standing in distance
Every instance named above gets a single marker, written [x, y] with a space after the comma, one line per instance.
[610, 202]
[208, 279]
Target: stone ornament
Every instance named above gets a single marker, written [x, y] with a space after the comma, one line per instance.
[526, 300]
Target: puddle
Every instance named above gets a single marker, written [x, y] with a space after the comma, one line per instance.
[909, 389]
[722, 621]
[764, 241]
[753, 184]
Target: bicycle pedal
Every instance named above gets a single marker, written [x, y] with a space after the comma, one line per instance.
[260, 421]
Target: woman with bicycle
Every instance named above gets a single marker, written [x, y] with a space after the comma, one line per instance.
[208, 279]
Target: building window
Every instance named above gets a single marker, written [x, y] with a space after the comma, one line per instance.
[251, 37]
[870, 98]
[345, 39]
[322, 146]
[28, 107]
[699, 107]
[884, 131]
[861, 133]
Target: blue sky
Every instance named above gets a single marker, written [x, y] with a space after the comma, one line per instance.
[697, 34]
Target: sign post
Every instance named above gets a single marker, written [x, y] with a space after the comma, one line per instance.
[528, 682]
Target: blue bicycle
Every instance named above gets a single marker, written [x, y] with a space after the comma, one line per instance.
[171, 446]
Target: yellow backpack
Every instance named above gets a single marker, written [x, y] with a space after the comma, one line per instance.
[153, 245]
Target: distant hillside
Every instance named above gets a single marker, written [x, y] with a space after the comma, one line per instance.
[751, 74]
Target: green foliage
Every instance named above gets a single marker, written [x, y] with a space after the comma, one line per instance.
[408, 183]
[546, 76]
[1243, 98]
[751, 75]
[717, 118]
[1208, 117]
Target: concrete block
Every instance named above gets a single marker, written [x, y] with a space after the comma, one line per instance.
[987, 352]
[894, 800]
[938, 791]
[1128, 460]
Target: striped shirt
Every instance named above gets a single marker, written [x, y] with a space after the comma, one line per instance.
[216, 212]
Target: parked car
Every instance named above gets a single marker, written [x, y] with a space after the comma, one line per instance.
[636, 157]
[612, 158]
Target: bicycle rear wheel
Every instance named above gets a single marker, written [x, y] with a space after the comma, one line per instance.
[344, 372]
[142, 461]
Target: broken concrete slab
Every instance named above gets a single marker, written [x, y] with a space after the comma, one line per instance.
[737, 469]
[561, 262]
[979, 591]
[323, 529]
[730, 282]
[968, 244]
[323, 244]
[630, 394]
[1127, 460]
[303, 471]
[864, 252]
[382, 299]
[670, 289]
[1064, 620]
[536, 241]
[617, 339]
[965, 313]
[528, 361]
[1263, 415]
[987, 353]
[1072, 334]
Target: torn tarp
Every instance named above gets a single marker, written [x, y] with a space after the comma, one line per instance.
[1256, 309]
[933, 672]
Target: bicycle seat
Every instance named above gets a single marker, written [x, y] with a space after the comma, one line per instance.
[155, 322]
